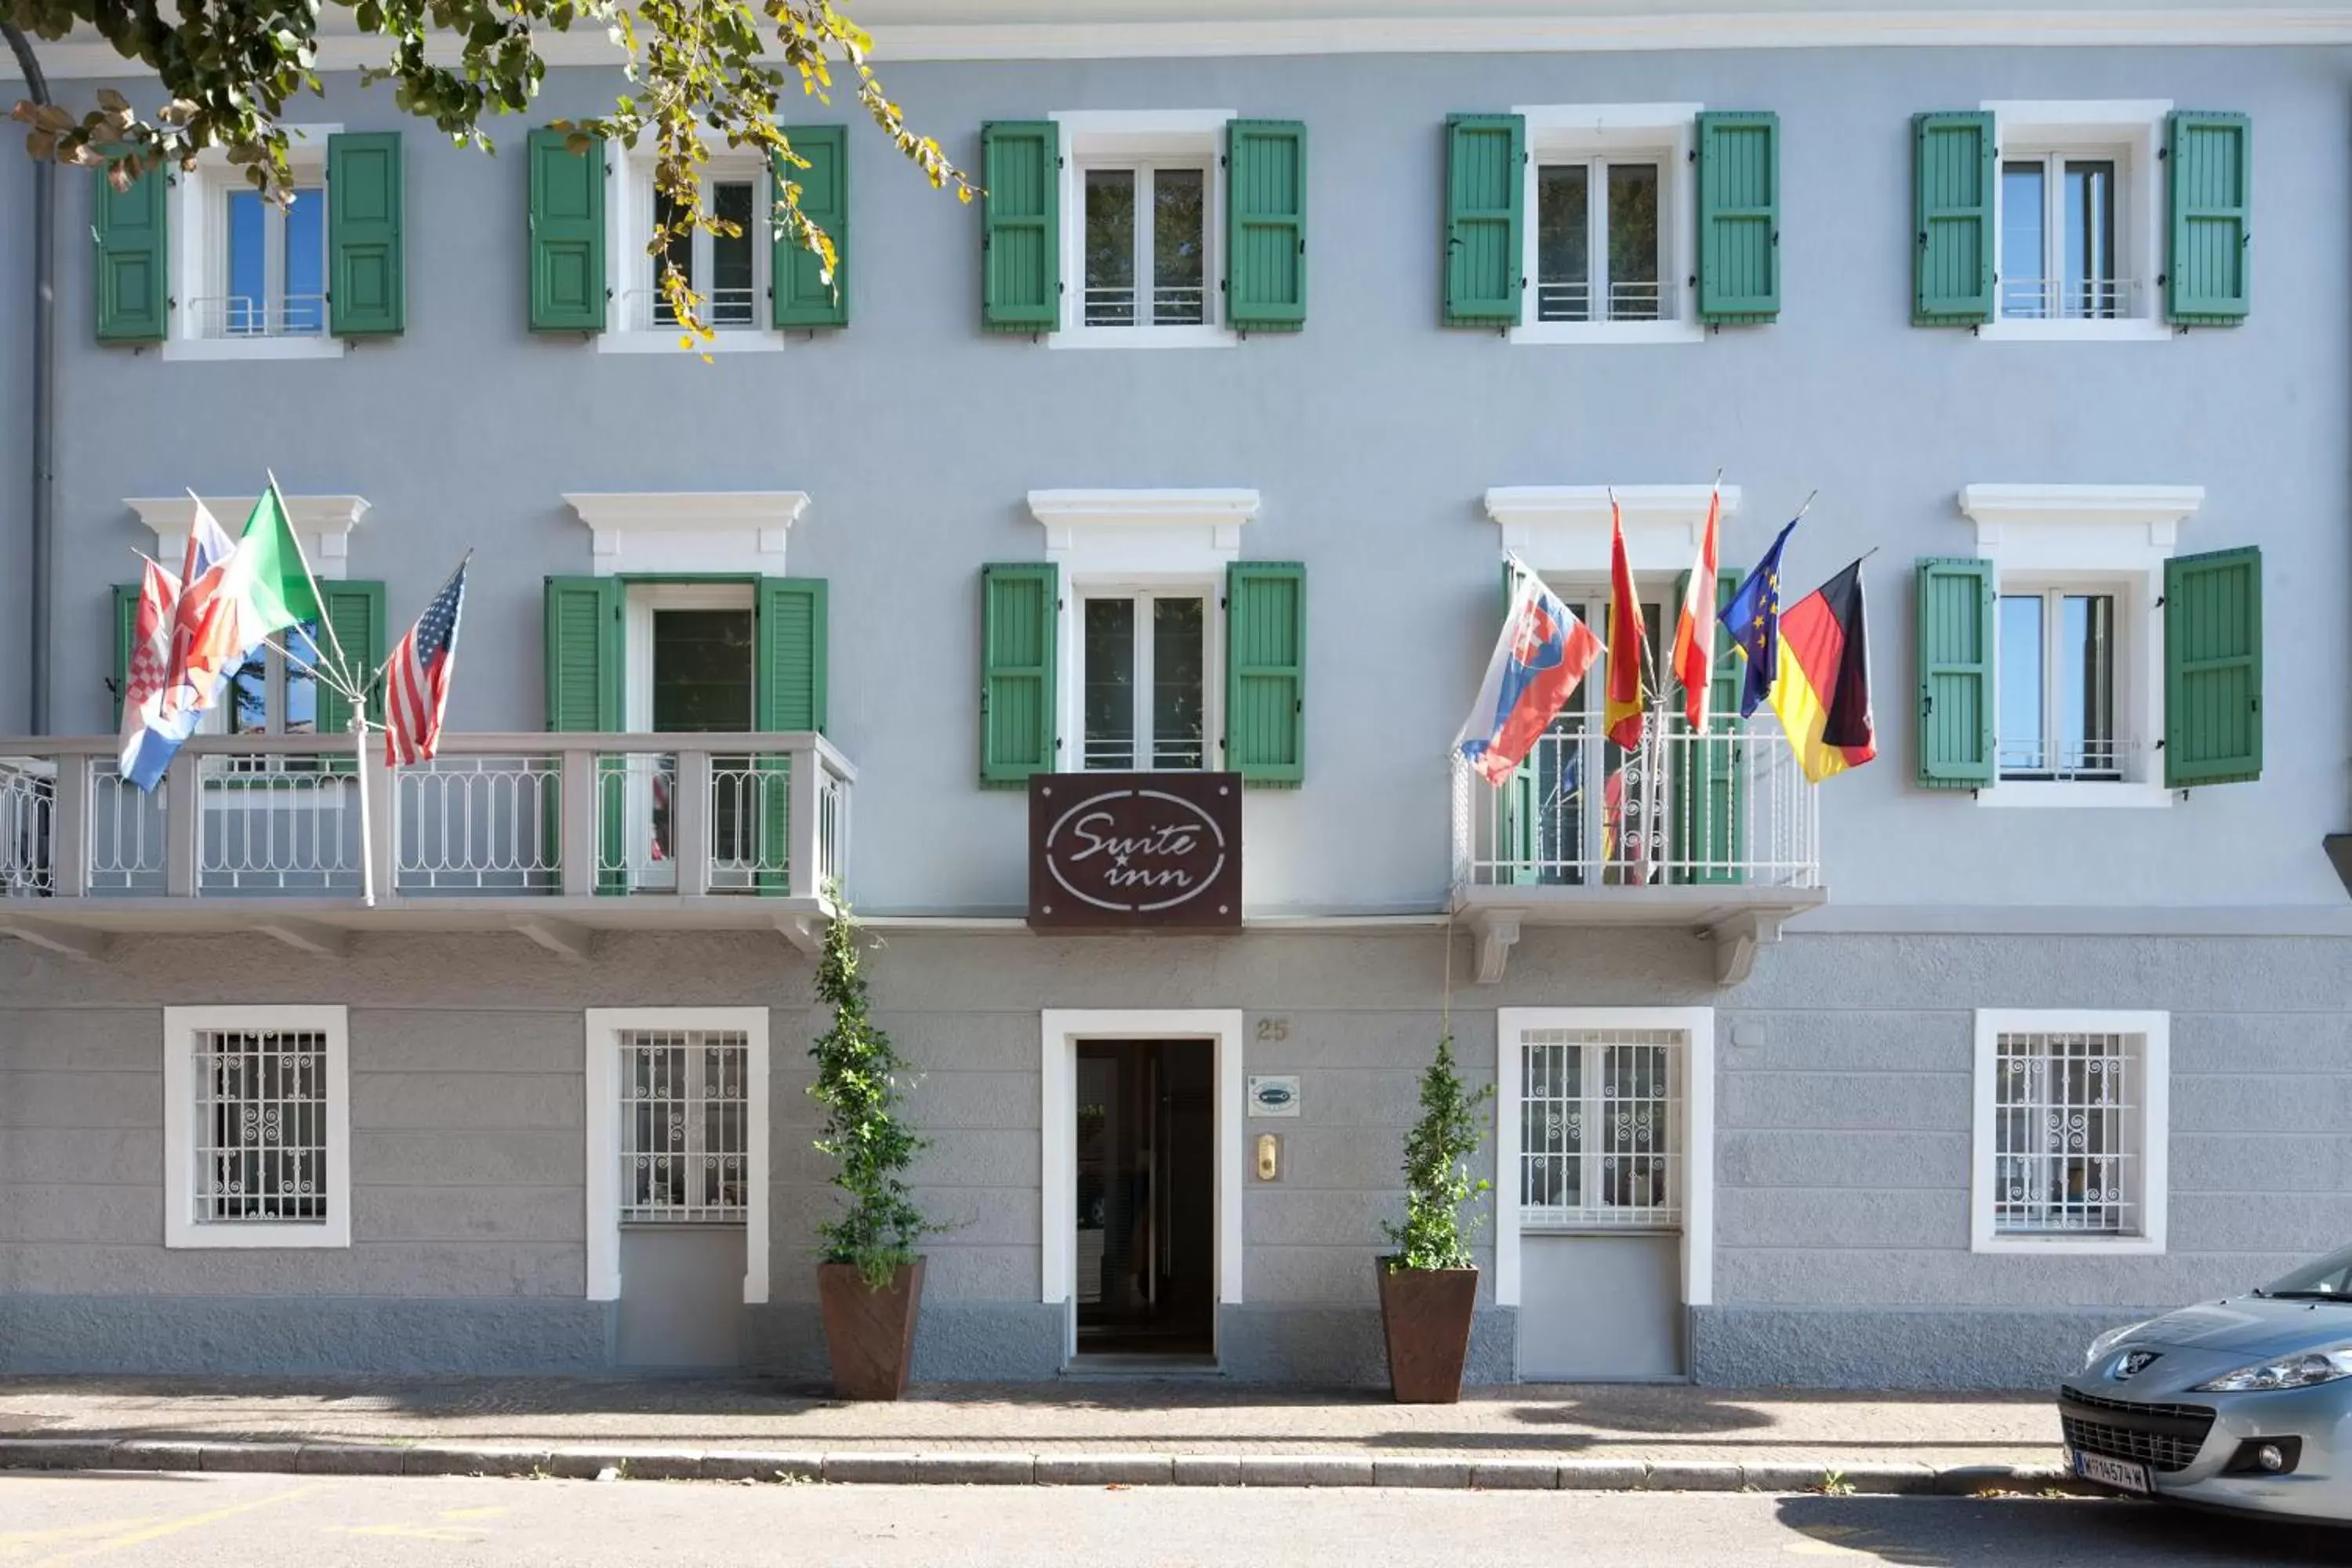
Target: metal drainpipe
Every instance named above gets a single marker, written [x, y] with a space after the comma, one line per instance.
[45, 385]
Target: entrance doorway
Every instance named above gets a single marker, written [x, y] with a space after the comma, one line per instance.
[1145, 1219]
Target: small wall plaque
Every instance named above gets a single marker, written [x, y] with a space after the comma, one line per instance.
[1274, 1096]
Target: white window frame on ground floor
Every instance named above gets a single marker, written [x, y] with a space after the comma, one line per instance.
[1061, 1031]
[1696, 1025]
[182, 1228]
[604, 1027]
[2152, 1131]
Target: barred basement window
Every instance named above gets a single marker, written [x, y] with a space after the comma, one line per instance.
[1601, 1143]
[256, 1120]
[684, 1123]
[2071, 1131]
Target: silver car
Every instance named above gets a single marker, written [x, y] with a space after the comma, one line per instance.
[2242, 1404]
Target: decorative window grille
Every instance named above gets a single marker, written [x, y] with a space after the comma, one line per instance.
[2066, 1134]
[1601, 1129]
[260, 1127]
[683, 1125]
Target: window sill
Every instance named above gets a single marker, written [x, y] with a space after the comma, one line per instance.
[2071, 1246]
[190, 1236]
[2067, 795]
[665, 341]
[2140, 330]
[1202, 337]
[253, 348]
[1609, 332]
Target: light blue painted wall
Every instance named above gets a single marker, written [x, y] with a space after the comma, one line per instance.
[16, 430]
[1372, 436]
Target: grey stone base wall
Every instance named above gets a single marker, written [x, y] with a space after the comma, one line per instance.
[336, 1334]
[955, 1342]
[1342, 1347]
[1892, 1347]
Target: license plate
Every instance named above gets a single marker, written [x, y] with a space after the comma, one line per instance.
[2125, 1474]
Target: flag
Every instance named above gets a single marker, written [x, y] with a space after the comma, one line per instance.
[149, 735]
[1753, 619]
[417, 682]
[1543, 652]
[263, 587]
[1823, 693]
[1623, 717]
[201, 568]
[1694, 626]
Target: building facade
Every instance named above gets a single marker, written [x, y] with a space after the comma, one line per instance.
[1193, 446]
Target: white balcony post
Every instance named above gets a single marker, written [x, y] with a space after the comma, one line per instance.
[184, 818]
[70, 827]
[690, 820]
[380, 783]
[807, 830]
[577, 827]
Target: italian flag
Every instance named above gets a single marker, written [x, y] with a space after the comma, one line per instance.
[263, 587]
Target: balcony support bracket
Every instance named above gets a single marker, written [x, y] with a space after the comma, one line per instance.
[1498, 933]
[1737, 938]
[562, 938]
[308, 936]
[68, 941]
[806, 933]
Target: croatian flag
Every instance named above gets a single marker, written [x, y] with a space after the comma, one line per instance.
[417, 682]
[149, 735]
[1543, 652]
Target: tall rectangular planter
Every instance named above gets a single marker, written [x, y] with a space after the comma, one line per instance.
[869, 1333]
[1426, 1315]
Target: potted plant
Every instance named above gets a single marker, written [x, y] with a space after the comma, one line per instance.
[1429, 1286]
[871, 1278]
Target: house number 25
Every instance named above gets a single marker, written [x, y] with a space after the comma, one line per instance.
[1272, 1029]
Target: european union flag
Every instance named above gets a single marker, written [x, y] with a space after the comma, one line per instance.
[1753, 621]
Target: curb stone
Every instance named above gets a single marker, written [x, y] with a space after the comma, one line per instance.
[869, 1467]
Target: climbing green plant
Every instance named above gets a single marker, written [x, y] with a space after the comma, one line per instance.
[1438, 1185]
[864, 1131]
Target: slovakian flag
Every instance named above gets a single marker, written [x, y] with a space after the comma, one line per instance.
[417, 682]
[1695, 626]
[1626, 698]
[1823, 693]
[1753, 619]
[1542, 654]
[149, 735]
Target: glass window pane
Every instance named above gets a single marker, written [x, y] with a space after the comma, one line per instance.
[1633, 294]
[1109, 682]
[2086, 684]
[1180, 215]
[702, 669]
[301, 716]
[678, 253]
[2023, 294]
[306, 262]
[249, 696]
[245, 312]
[1563, 259]
[730, 254]
[2021, 748]
[2091, 237]
[1111, 247]
[1177, 674]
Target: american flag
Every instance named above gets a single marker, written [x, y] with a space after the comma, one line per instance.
[417, 682]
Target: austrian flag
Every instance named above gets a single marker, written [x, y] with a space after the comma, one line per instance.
[417, 682]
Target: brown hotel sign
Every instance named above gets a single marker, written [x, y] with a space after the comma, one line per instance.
[1125, 851]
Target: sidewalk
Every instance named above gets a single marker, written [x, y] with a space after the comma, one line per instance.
[1589, 1437]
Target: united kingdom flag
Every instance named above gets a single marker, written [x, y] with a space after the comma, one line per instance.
[417, 682]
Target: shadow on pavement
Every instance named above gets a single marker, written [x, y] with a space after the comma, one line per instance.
[1940, 1533]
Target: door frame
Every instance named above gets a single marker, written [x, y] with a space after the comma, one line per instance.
[603, 1143]
[1061, 1030]
[1696, 1025]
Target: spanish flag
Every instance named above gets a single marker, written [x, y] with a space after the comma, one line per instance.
[1823, 695]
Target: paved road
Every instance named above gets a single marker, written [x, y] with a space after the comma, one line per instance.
[119, 1519]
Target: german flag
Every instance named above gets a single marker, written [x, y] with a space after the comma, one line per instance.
[1823, 695]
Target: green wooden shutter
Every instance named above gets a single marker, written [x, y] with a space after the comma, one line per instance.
[1957, 703]
[801, 295]
[1952, 186]
[134, 231]
[1265, 671]
[2207, 280]
[2213, 668]
[367, 287]
[126, 627]
[1265, 225]
[355, 611]
[1738, 216]
[1021, 233]
[567, 235]
[1020, 607]
[791, 672]
[1486, 193]
[583, 629]
[1707, 800]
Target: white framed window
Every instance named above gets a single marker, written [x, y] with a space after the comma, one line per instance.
[688, 667]
[1146, 691]
[2070, 1127]
[2077, 211]
[1611, 247]
[256, 1127]
[2061, 663]
[250, 276]
[1142, 245]
[732, 273]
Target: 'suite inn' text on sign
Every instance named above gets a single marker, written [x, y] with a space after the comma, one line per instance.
[1118, 850]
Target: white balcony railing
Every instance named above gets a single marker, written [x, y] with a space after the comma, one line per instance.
[1628, 301]
[252, 316]
[1171, 305]
[495, 816]
[2069, 298]
[722, 310]
[1724, 810]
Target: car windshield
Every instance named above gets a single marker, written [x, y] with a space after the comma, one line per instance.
[2329, 1277]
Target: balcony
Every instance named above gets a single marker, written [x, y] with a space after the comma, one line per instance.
[555, 836]
[1724, 840]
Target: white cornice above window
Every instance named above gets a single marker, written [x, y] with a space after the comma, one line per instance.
[324, 524]
[1143, 531]
[1565, 528]
[2079, 527]
[695, 530]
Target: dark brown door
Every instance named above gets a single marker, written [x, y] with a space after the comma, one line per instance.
[1147, 1197]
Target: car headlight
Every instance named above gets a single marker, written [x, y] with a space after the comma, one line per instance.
[2302, 1370]
[2111, 1339]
